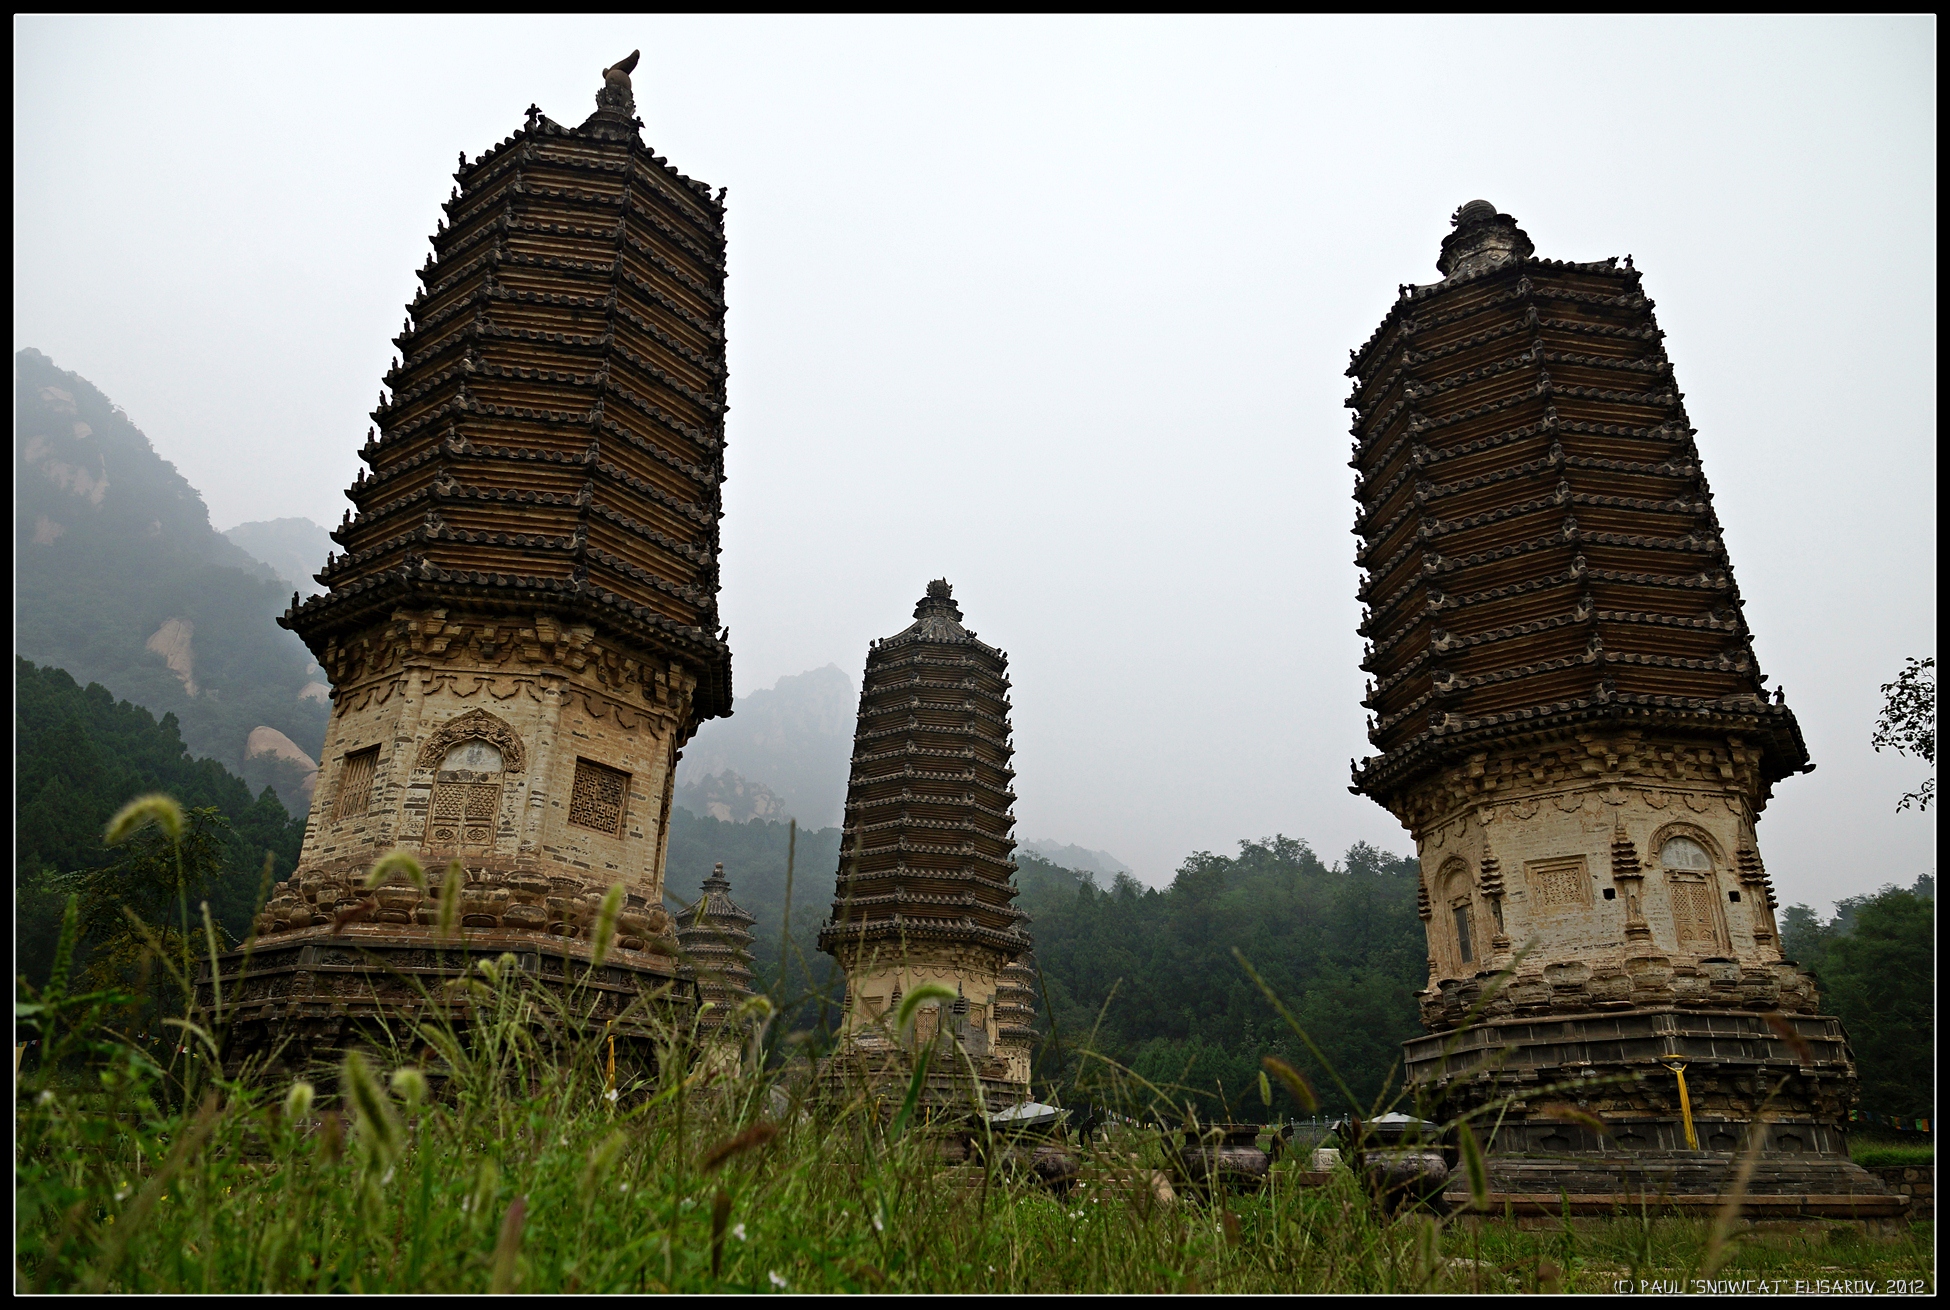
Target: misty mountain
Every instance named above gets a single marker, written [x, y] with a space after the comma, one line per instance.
[795, 740]
[1075, 857]
[294, 549]
[121, 580]
[732, 798]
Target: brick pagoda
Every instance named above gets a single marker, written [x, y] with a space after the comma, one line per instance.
[1569, 718]
[923, 892]
[522, 630]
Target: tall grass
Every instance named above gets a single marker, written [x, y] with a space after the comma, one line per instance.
[504, 1164]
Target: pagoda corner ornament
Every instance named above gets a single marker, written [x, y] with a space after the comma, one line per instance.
[923, 892]
[1569, 720]
[521, 629]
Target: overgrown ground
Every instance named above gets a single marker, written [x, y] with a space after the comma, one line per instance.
[493, 1164]
[520, 1175]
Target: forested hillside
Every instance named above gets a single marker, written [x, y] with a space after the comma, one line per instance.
[1876, 963]
[120, 579]
[1342, 945]
[1151, 973]
[79, 755]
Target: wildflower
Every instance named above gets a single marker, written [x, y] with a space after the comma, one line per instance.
[122, 1192]
[610, 1096]
[688, 1203]
[622, 1187]
[879, 1224]
[738, 1231]
[47, 1098]
[777, 1281]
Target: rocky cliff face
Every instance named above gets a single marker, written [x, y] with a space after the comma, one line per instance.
[732, 798]
[794, 741]
[121, 580]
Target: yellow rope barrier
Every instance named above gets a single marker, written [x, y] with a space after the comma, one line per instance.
[1678, 1068]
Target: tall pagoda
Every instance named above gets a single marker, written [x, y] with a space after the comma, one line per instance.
[522, 630]
[923, 892]
[714, 937]
[1569, 719]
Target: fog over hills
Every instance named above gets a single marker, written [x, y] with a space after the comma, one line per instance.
[785, 753]
[294, 548]
[121, 580]
[795, 739]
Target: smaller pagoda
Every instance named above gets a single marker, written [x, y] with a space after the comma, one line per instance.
[714, 939]
[923, 890]
[1015, 1011]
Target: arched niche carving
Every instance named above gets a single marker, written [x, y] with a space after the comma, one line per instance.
[475, 725]
[1456, 889]
[1690, 862]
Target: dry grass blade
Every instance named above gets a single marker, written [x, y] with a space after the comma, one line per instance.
[1787, 1032]
[1473, 1165]
[507, 1247]
[1295, 1083]
[353, 915]
[1736, 1197]
[757, 1135]
[1572, 1114]
[720, 1215]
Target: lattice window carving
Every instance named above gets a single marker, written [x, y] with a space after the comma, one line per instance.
[597, 800]
[1693, 915]
[355, 783]
[463, 813]
[1559, 884]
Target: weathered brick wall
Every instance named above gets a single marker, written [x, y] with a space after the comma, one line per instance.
[1917, 1182]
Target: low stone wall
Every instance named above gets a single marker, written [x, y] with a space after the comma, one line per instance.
[1917, 1182]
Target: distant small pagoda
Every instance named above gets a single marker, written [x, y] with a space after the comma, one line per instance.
[1015, 1011]
[714, 942]
[923, 893]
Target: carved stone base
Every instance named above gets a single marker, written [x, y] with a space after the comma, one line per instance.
[1698, 1182]
[881, 1074]
[1742, 1075]
[296, 1000]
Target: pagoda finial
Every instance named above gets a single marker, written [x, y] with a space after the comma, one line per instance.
[615, 113]
[616, 95]
[1483, 239]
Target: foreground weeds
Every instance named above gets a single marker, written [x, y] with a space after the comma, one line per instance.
[497, 1176]
[490, 1163]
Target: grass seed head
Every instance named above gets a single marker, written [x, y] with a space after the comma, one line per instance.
[297, 1101]
[605, 930]
[379, 1128]
[154, 808]
[450, 900]
[410, 1085]
[396, 863]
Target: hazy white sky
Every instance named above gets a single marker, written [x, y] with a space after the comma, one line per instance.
[1059, 309]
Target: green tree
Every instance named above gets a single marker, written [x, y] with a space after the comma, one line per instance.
[1907, 724]
[79, 755]
[1880, 981]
